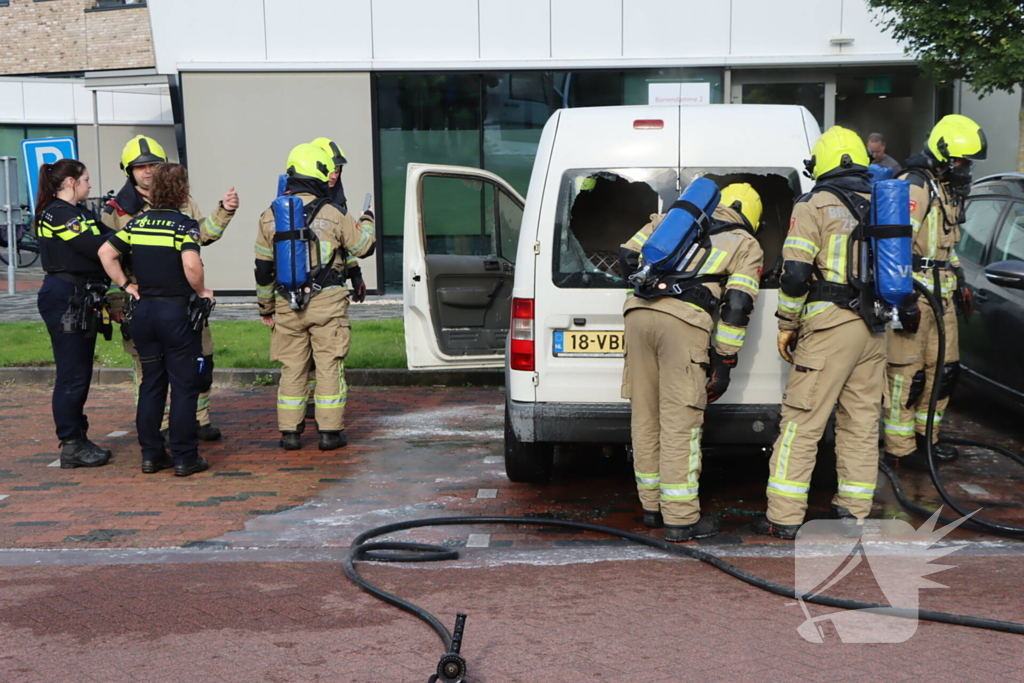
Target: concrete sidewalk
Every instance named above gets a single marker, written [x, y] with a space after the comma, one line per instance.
[109, 575]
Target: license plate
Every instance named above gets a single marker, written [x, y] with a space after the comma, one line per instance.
[589, 344]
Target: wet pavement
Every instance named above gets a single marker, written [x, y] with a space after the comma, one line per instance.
[234, 575]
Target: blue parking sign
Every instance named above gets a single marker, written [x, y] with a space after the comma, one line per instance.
[43, 151]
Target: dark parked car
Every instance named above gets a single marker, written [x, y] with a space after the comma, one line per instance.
[991, 249]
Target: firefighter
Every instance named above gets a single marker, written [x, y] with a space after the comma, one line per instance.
[940, 179]
[68, 241]
[839, 356]
[163, 244]
[138, 159]
[317, 328]
[672, 370]
[353, 272]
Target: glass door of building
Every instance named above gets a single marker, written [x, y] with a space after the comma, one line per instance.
[814, 90]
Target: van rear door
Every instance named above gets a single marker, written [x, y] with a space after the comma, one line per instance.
[461, 232]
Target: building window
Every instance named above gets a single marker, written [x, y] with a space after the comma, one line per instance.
[103, 4]
[491, 121]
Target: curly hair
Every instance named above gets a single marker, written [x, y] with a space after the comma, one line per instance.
[170, 186]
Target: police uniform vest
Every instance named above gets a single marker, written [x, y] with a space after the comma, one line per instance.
[69, 239]
[155, 240]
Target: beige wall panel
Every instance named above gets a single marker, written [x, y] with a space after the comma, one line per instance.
[107, 174]
[239, 128]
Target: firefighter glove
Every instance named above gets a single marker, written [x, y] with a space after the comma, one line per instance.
[963, 299]
[787, 344]
[718, 381]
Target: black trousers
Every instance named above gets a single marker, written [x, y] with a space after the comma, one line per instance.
[170, 353]
[73, 355]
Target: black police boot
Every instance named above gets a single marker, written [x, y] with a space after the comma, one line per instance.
[704, 527]
[944, 452]
[105, 452]
[330, 441]
[851, 525]
[291, 441]
[199, 465]
[207, 432]
[653, 520]
[762, 525]
[162, 462]
[75, 453]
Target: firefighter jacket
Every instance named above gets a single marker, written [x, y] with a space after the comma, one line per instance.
[734, 255]
[816, 249]
[342, 240]
[935, 217]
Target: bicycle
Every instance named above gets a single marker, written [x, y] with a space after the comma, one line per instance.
[27, 247]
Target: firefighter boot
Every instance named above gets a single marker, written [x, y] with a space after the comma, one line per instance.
[75, 453]
[330, 441]
[762, 525]
[705, 526]
[207, 432]
[851, 525]
[944, 452]
[653, 520]
[916, 461]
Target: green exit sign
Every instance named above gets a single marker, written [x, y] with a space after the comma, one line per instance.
[880, 85]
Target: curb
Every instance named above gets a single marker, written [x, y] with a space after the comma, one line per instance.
[232, 377]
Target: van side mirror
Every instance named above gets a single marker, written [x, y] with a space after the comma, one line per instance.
[1008, 274]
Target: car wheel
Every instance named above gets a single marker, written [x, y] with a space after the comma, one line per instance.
[526, 462]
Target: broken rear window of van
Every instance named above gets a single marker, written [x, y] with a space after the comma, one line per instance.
[600, 209]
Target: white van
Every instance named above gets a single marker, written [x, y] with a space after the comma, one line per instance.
[547, 267]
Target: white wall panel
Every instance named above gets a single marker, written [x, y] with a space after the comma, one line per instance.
[207, 31]
[83, 104]
[859, 22]
[49, 102]
[418, 30]
[586, 29]
[343, 30]
[784, 27]
[515, 30]
[12, 102]
[676, 28]
[137, 108]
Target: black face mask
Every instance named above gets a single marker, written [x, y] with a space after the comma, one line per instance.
[960, 178]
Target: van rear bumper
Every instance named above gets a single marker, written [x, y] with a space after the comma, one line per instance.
[607, 423]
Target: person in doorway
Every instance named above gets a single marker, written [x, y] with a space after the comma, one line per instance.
[163, 245]
[839, 357]
[138, 160]
[668, 349]
[876, 150]
[940, 180]
[70, 301]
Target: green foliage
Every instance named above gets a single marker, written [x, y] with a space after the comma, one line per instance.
[977, 41]
[237, 344]
[263, 380]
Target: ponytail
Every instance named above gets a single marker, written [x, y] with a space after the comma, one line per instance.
[51, 177]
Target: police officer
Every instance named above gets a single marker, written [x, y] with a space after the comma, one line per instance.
[839, 357]
[163, 244]
[71, 301]
[940, 179]
[319, 330]
[138, 159]
[668, 347]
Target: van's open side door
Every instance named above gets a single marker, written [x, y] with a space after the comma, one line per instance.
[461, 233]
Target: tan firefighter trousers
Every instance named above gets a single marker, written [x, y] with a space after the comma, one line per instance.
[203, 407]
[321, 333]
[909, 354]
[664, 380]
[845, 365]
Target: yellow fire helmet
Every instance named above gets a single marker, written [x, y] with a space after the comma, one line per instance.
[747, 199]
[308, 160]
[957, 136]
[140, 151]
[332, 148]
[837, 147]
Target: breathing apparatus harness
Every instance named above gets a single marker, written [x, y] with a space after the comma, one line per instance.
[298, 279]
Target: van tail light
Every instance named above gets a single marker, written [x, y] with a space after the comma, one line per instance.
[522, 346]
[648, 124]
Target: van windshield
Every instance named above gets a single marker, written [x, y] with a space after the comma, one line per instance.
[600, 209]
